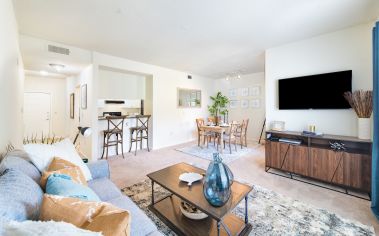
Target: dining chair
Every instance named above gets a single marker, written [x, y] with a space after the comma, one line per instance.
[229, 136]
[206, 135]
[241, 132]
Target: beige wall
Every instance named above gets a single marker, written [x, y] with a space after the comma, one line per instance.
[255, 115]
[11, 78]
[56, 87]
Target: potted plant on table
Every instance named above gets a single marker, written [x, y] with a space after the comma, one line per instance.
[219, 106]
[362, 103]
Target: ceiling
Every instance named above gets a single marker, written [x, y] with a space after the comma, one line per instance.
[205, 37]
[37, 58]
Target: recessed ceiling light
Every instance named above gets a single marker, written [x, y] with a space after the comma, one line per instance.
[44, 73]
[57, 67]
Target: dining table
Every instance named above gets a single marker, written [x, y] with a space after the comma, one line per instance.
[218, 129]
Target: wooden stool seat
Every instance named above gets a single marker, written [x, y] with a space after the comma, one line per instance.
[115, 127]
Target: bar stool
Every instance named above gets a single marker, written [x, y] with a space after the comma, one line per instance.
[115, 127]
[141, 131]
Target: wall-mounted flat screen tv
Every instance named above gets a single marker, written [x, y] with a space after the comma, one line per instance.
[322, 91]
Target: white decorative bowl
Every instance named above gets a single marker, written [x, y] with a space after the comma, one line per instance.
[190, 177]
[191, 212]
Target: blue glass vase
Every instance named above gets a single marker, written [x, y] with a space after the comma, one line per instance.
[218, 181]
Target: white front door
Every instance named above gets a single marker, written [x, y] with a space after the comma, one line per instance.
[37, 114]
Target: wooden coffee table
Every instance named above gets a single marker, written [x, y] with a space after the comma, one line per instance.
[220, 220]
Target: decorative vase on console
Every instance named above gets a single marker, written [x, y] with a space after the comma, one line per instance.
[362, 103]
[218, 181]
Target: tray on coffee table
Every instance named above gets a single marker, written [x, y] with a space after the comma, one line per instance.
[220, 221]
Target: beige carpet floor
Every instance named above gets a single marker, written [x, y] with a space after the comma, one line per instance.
[132, 169]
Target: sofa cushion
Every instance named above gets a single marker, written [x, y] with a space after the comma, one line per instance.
[20, 196]
[141, 224]
[62, 185]
[15, 161]
[104, 188]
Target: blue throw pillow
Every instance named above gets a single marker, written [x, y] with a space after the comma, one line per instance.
[62, 185]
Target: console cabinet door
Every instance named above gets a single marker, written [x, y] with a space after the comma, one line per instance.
[277, 155]
[299, 159]
[357, 171]
[326, 165]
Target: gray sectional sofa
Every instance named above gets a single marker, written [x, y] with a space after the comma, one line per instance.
[21, 195]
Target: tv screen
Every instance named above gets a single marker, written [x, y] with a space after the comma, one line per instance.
[322, 91]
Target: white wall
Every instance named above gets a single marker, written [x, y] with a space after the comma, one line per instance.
[171, 125]
[56, 87]
[256, 115]
[11, 78]
[349, 49]
[118, 85]
[86, 115]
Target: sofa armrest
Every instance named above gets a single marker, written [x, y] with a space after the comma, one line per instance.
[99, 169]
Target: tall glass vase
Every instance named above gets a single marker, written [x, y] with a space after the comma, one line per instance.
[218, 181]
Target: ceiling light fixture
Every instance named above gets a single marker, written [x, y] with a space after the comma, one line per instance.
[57, 67]
[234, 76]
[44, 73]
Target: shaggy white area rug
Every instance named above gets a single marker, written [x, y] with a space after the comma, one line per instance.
[47, 228]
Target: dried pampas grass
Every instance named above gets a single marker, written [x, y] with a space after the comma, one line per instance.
[361, 102]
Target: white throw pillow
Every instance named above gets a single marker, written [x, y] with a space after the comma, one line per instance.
[65, 149]
[42, 154]
[47, 228]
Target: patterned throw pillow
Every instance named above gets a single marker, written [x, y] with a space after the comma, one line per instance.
[95, 216]
[60, 166]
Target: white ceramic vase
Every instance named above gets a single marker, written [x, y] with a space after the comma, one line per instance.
[364, 129]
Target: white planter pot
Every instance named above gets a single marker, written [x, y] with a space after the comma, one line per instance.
[364, 129]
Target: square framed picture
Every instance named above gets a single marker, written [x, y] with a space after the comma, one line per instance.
[83, 93]
[233, 92]
[255, 103]
[234, 104]
[255, 91]
[244, 104]
[244, 92]
[72, 105]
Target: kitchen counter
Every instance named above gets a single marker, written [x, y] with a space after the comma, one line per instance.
[127, 117]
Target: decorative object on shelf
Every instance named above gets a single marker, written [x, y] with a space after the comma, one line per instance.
[312, 128]
[244, 103]
[72, 105]
[219, 106]
[83, 93]
[362, 103]
[191, 211]
[190, 177]
[85, 131]
[255, 91]
[255, 103]
[278, 125]
[337, 146]
[218, 181]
